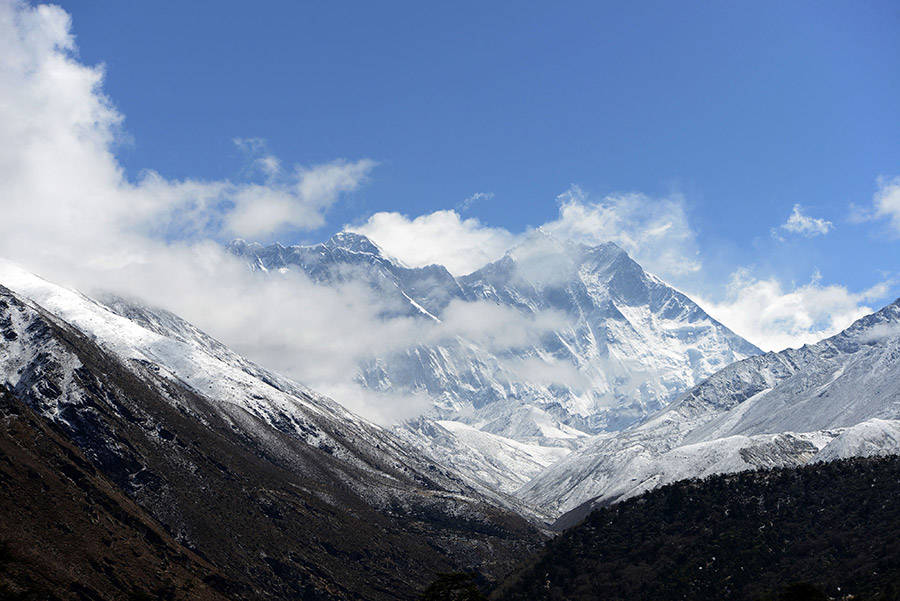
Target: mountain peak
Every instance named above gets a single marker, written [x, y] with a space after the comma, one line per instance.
[353, 242]
[240, 246]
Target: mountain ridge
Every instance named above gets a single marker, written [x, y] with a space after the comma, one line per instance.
[620, 343]
[268, 482]
[807, 398]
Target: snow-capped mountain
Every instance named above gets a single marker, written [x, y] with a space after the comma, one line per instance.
[837, 398]
[272, 483]
[615, 344]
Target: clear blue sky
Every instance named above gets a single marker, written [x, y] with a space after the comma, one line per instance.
[744, 107]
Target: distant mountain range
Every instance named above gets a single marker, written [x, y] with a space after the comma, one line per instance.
[628, 343]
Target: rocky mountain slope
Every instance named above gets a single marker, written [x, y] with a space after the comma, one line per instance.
[837, 398]
[279, 488]
[66, 530]
[620, 345]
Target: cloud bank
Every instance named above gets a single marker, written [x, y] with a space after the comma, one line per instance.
[774, 318]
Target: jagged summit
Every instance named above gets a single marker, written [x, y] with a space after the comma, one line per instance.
[354, 242]
[347, 241]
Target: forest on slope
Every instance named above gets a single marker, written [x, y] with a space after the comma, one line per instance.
[825, 529]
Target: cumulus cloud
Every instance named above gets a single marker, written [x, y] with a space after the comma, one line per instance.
[772, 317]
[443, 237]
[799, 223]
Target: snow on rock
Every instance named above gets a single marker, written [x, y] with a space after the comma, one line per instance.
[841, 395]
[150, 341]
[623, 344]
[872, 437]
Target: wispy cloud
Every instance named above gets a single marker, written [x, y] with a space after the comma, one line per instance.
[885, 204]
[655, 231]
[466, 204]
[297, 200]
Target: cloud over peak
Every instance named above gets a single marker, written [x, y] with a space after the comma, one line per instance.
[297, 200]
[773, 318]
[654, 231]
[442, 237]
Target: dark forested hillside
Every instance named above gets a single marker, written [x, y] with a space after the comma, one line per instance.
[832, 526]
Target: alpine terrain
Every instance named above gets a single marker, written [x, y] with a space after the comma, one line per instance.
[837, 398]
[222, 478]
[616, 345]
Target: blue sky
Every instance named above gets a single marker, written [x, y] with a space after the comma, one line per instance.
[745, 108]
[738, 111]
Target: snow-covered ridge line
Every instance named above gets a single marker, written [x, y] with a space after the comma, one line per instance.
[159, 345]
[843, 390]
[622, 344]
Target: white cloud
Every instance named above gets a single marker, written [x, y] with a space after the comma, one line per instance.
[774, 318]
[798, 223]
[655, 232]
[461, 245]
[297, 201]
[466, 204]
[264, 162]
[885, 204]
